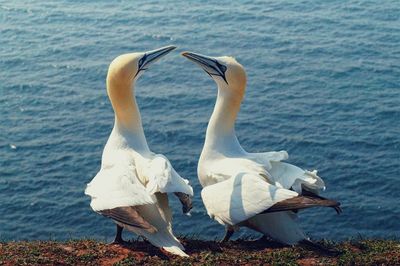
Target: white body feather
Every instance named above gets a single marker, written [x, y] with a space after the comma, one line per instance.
[130, 178]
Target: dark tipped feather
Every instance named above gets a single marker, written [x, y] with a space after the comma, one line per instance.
[128, 216]
[307, 200]
[185, 200]
[337, 208]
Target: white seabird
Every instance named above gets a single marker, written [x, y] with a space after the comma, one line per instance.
[132, 185]
[255, 190]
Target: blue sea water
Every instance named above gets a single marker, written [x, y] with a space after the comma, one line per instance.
[323, 83]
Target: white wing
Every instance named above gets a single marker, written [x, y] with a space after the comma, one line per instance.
[289, 176]
[223, 169]
[265, 158]
[286, 175]
[241, 197]
[162, 177]
[117, 186]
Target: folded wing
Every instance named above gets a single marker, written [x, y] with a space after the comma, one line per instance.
[245, 195]
[304, 202]
[162, 177]
[117, 186]
[292, 177]
[242, 197]
[128, 216]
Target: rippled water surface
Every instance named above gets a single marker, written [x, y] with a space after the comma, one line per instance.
[323, 83]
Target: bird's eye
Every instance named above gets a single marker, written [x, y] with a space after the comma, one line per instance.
[221, 67]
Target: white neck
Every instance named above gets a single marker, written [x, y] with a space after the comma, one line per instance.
[221, 134]
[128, 123]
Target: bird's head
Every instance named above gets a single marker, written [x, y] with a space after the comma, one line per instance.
[229, 75]
[127, 68]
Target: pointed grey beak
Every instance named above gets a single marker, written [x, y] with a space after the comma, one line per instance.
[209, 64]
[152, 56]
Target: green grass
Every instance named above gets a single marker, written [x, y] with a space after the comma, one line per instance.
[240, 252]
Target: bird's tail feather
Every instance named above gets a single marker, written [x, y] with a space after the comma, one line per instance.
[304, 202]
[176, 250]
[167, 241]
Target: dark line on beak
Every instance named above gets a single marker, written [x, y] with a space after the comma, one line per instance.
[203, 62]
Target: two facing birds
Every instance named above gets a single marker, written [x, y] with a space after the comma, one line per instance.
[255, 190]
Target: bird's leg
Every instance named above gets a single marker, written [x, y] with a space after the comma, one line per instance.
[118, 237]
[229, 230]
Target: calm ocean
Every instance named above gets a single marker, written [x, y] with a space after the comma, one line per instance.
[323, 84]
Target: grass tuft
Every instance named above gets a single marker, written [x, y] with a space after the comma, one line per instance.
[240, 252]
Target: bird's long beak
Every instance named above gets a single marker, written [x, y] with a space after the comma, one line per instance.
[209, 64]
[152, 56]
